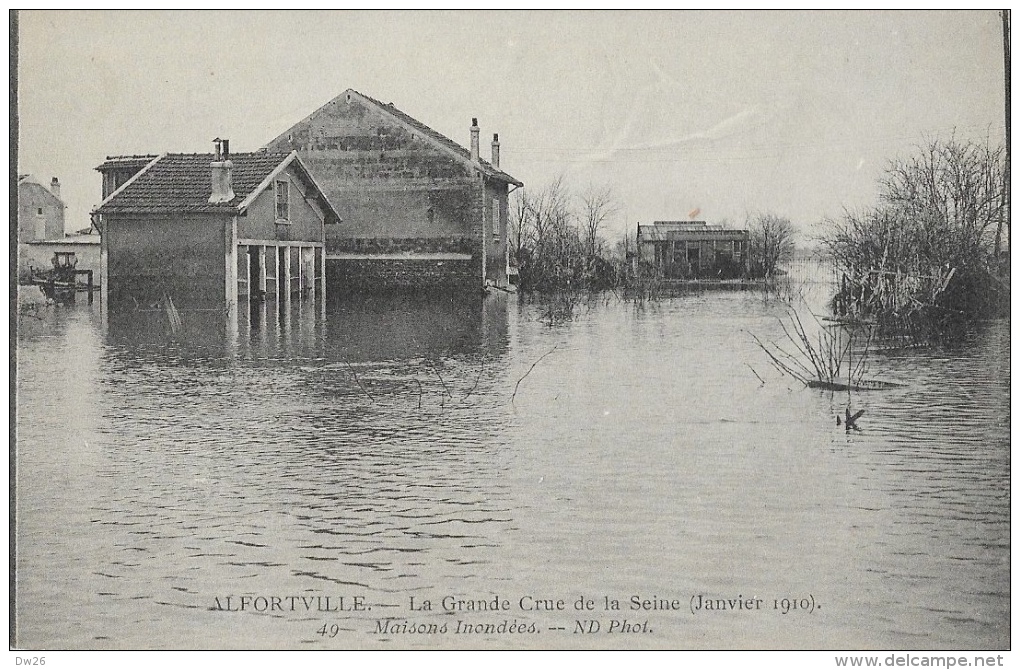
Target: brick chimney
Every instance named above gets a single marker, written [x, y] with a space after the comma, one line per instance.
[474, 139]
[222, 187]
[55, 187]
[495, 149]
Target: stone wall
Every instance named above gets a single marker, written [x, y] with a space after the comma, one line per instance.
[375, 275]
[410, 245]
[383, 180]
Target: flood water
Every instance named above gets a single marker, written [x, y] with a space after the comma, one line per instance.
[503, 448]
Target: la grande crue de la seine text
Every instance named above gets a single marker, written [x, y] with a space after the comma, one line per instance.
[530, 603]
[449, 603]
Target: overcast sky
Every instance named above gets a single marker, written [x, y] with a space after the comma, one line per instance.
[728, 112]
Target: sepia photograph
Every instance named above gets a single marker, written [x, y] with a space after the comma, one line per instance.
[511, 330]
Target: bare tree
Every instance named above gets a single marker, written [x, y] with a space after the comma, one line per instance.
[549, 212]
[518, 224]
[542, 230]
[771, 243]
[556, 237]
[951, 194]
[597, 205]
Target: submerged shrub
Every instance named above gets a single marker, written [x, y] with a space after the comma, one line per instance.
[927, 258]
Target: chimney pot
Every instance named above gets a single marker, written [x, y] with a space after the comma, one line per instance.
[474, 140]
[221, 168]
[55, 187]
[495, 149]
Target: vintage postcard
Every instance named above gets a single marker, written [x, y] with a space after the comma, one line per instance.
[512, 330]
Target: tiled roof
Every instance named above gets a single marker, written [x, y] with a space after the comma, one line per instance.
[183, 182]
[134, 160]
[489, 169]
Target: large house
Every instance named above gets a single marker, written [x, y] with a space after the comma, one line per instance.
[209, 230]
[692, 250]
[419, 209]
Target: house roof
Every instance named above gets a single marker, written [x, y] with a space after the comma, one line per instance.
[132, 161]
[183, 183]
[488, 168]
[663, 231]
[437, 138]
[31, 179]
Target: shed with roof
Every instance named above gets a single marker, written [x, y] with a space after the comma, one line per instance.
[693, 249]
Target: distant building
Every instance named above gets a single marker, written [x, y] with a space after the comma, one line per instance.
[419, 209]
[210, 230]
[116, 170]
[41, 233]
[692, 250]
[40, 210]
[78, 251]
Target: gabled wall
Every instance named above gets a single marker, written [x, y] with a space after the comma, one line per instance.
[305, 221]
[385, 181]
[40, 213]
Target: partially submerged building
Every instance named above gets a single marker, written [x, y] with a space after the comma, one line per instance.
[420, 210]
[42, 240]
[209, 230]
[692, 250]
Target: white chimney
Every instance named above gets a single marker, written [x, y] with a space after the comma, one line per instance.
[495, 149]
[55, 187]
[222, 187]
[474, 139]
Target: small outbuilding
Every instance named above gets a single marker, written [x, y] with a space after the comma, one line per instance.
[208, 231]
[693, 250]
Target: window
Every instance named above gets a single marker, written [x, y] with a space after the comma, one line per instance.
[39, 211]
[282, 187]
[495, 216]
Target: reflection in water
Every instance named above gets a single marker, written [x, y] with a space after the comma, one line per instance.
[356, 328]
[376, 452]
[373, 328]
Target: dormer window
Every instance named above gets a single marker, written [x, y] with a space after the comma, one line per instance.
[282, 188]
